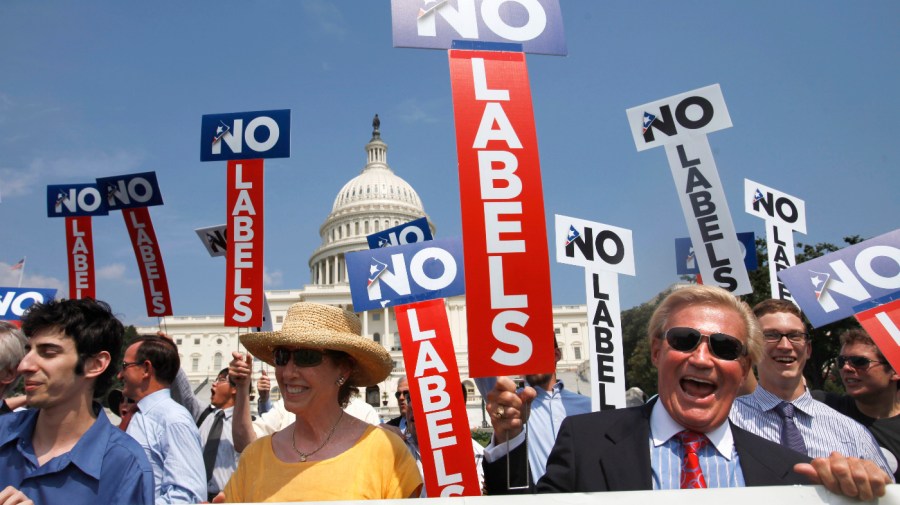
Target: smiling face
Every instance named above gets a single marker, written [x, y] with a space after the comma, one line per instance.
[875, 381]
[696, 388]
[48, 371]
[310, 389]
[781, 367]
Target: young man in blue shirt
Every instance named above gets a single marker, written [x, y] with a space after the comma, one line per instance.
[64, 449]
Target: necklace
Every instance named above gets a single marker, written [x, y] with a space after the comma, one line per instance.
[305, 455]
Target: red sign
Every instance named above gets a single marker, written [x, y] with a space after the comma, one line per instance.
[510, 314]
[80, 249]
[441, 422]
[149, 259]
[883, 324]
[244, 292]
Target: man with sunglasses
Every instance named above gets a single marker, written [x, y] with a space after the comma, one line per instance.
[872, 392]
[161, 426]
[402, 404]
[703, 342]
[781, 409]
[64, 449]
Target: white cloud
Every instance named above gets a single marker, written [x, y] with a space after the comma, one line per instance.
[272, 279]
[23, 181]
[114, 272]
[10, 278]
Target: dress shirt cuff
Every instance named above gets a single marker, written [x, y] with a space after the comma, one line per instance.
[494, 452]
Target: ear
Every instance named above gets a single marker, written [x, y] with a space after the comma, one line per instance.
[96, 364]
[558, 353]
[655, 349]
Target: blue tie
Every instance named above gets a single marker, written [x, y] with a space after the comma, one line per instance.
[790, 435]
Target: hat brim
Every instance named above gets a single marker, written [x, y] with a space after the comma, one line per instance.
[372, 362]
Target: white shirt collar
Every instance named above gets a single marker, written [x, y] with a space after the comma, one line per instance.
[663, 427]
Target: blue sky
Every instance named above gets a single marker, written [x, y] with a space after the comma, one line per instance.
[94, 89]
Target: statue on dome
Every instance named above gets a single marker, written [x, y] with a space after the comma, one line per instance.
[376, 125]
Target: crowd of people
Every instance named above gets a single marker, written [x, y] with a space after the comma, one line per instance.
[710, 425]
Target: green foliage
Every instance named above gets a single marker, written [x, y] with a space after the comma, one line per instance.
[482, 436]
[639, 371]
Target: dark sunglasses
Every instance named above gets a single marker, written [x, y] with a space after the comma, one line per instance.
[857, 362]
[301, 357]
[721, 345]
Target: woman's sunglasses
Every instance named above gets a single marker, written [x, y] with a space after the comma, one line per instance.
[301, 357]
[857, 362]
[722, 346]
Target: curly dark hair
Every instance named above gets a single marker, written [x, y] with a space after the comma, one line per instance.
[90, 323]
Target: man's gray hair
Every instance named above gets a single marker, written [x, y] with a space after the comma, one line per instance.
[12, 349]
[714, 296]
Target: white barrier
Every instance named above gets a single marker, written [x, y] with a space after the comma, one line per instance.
[770, 495]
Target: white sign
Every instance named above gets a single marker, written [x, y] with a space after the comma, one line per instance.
[706, 213]
[669, 120]
[593, 245]
[605, 340]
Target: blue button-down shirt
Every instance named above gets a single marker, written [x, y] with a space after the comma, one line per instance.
[171, 441]
[104, 466]
[823, 429]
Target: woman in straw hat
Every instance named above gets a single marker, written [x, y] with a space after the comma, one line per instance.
[318, 356]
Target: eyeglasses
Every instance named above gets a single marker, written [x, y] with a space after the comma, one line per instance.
[794, 337]
[126, 364]
[302, 358]
[858, 362]
[221, 378]
[722, 346]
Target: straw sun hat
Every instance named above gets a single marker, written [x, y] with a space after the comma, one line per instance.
[318, 326]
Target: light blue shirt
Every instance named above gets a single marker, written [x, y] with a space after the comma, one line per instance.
[823, 429]
[718, 459]
[171, 441]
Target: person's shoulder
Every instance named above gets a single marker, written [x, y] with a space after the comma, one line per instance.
[15, 424]
[122, 449]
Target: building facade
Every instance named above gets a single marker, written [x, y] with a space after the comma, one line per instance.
[374, 200]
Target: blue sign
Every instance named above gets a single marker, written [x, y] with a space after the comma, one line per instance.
[404, 274]
[844, 282]
[686, 263]
[536, 25]
[69, 200]
[130, 191]
[246, 135]
[407, 233]
[14, 301]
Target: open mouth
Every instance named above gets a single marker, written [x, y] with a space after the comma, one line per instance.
[699, 388]
[787, 360]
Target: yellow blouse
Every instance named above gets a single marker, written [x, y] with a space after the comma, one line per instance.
[378, 466]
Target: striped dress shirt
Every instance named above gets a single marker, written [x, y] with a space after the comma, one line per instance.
[824, 429]
[718, 459]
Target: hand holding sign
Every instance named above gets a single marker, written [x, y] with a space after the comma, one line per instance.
[507, 408]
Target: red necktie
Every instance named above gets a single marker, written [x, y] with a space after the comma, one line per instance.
[691, 474]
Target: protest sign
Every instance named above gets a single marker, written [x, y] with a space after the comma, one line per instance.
[536, 24]
[245, 135]
[80, 249]
[686, 259]
[14, 301]
[842, 283]
[783, 215]
[214, 238]
[390, 276]
[244, 290]
[442, 425]
[604, 251]
[510, 319]
[406, 233]
[882, 323]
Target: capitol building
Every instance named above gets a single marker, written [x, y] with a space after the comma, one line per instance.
[374, 200]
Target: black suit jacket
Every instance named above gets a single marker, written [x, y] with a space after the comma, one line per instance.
[609, 451]
[395, 421]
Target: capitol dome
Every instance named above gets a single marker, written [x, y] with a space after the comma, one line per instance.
[374, 200]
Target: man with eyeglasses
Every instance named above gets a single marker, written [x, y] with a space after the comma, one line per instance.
[703, 342]
[164, 428]
[872, 392]
[781, 409]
